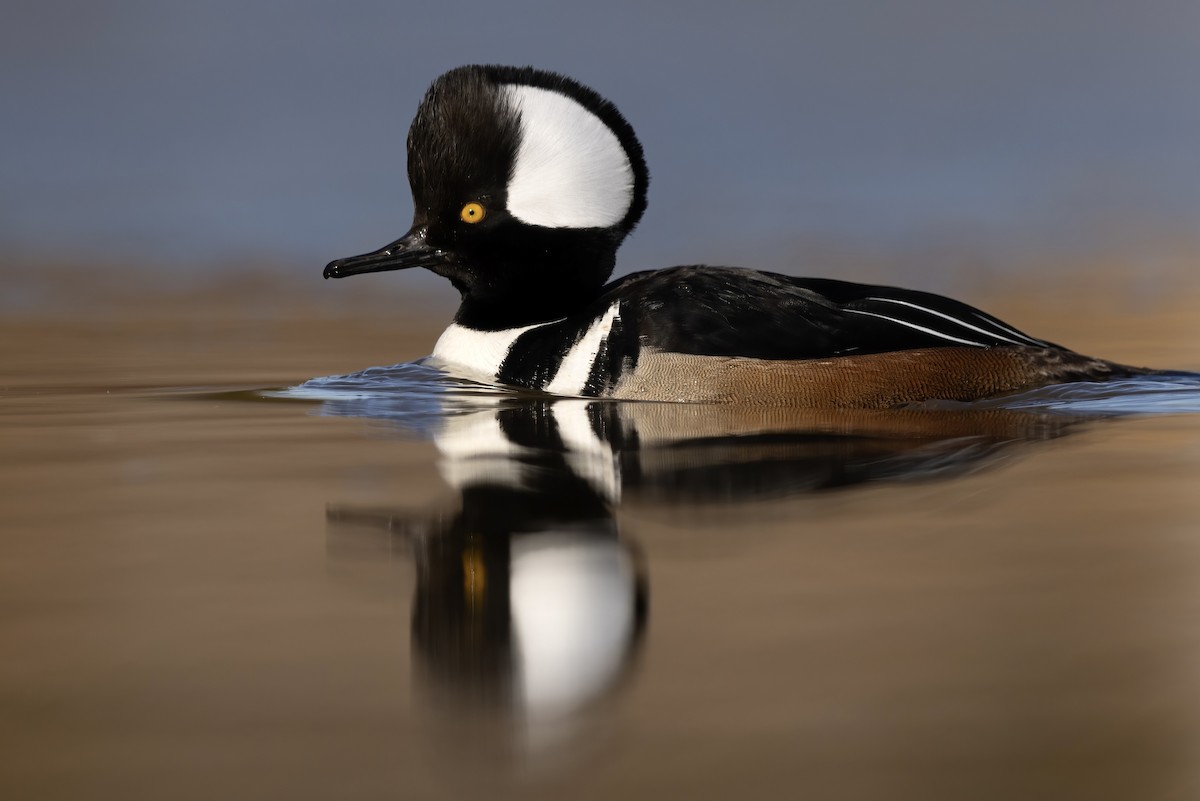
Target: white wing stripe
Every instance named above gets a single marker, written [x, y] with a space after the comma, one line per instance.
[927, 310]
[1012, 331]
[918, 327]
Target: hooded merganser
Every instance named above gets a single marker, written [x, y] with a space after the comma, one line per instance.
[525, 183]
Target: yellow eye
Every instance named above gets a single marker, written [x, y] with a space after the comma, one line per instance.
[472, 213]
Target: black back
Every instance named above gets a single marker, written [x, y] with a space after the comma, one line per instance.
[729, 312]
[718, 311]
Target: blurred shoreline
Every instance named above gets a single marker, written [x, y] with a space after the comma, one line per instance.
[68, 325]
[69, 286]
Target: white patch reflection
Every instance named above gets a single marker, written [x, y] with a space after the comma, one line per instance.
[573, 608]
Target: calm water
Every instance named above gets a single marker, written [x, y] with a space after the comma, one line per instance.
[389, 585]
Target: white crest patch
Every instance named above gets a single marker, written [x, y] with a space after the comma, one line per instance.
[576, 365]
[476, 354]
[571, 171]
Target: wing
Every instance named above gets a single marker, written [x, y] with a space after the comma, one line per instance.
[732, 312]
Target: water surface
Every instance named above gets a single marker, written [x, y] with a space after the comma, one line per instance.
[387, 585]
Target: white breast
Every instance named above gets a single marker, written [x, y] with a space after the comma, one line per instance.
[477, 354]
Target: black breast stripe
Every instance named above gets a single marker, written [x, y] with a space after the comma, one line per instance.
[617, 355]
[534, 358]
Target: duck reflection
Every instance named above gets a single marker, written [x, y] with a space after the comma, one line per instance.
[531, 601]
[529, 605]
[527, 597]
[689, 453]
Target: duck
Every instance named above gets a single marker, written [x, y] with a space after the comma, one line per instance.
[525, 183]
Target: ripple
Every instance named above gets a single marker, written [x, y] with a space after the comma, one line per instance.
[418, 392]
[414, 394]
[1157, 393]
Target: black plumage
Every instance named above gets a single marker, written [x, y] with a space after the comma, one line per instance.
[724, 311]
[732, 312]
[531, 272]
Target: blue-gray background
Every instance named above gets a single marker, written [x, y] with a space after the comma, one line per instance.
[188, 135]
